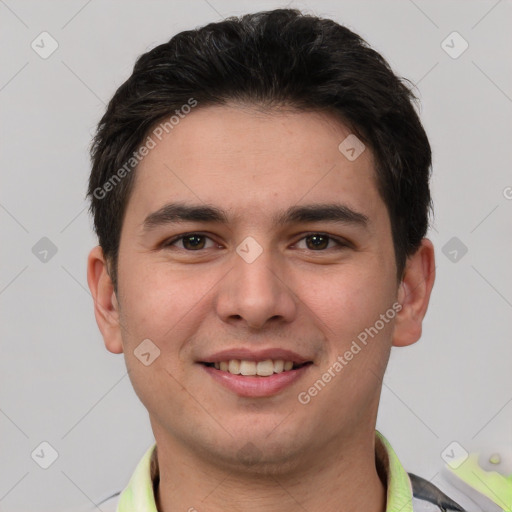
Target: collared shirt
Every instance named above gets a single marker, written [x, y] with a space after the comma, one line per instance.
[139, 494]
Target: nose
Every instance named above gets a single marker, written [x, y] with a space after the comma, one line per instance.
[256, 292]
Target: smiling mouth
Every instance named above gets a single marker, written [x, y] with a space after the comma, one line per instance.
[265, 368]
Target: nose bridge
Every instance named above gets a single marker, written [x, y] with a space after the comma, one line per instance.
[257, 272]
[254, 290]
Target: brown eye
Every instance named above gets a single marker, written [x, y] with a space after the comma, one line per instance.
[317, 241]
[321, 242]
[194, 242]
[190, 242]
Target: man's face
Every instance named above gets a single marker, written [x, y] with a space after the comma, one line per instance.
[254, 288]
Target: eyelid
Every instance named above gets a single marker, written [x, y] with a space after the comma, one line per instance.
[341, 242]
[170, 241]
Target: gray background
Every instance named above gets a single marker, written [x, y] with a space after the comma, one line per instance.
[57, 381]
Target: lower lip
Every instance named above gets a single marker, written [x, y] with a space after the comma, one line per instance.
[256, 386]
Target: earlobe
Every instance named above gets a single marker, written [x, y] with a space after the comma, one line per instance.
[106, 307]
[414, 294]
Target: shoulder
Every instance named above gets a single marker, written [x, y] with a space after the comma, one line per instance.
[428, 497]
[480, 480]
[446, 493]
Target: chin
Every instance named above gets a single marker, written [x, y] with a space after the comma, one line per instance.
[259, 456]
[254, 462]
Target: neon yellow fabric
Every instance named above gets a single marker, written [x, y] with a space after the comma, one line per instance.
[494, 486]
[138, 495]
[399, 493]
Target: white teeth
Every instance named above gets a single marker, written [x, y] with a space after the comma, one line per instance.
[234, 366]
[247, 367]
[278, 365]
[264, 368]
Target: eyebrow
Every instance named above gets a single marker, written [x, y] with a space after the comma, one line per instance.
[172, 213]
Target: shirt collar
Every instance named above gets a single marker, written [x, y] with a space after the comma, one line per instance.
[399, 489]
[139, 493]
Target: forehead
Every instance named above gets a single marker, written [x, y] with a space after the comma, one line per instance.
[247, 161]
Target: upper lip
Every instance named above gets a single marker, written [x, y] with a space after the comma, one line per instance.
[255, 355]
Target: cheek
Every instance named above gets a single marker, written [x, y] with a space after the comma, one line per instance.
[163, 307]
[348, 306]
[162, 303]
[347, 301]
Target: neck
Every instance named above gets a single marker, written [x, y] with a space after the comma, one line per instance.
[343, 477]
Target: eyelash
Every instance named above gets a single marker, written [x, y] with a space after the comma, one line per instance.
[340, 243]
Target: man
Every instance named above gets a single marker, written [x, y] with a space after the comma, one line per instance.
[260, 193]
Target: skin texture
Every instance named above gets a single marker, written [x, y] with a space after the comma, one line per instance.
[219, 451]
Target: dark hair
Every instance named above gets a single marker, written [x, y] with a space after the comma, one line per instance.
[268, 59]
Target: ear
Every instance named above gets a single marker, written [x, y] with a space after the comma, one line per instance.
[106, 307]
[414, 294]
